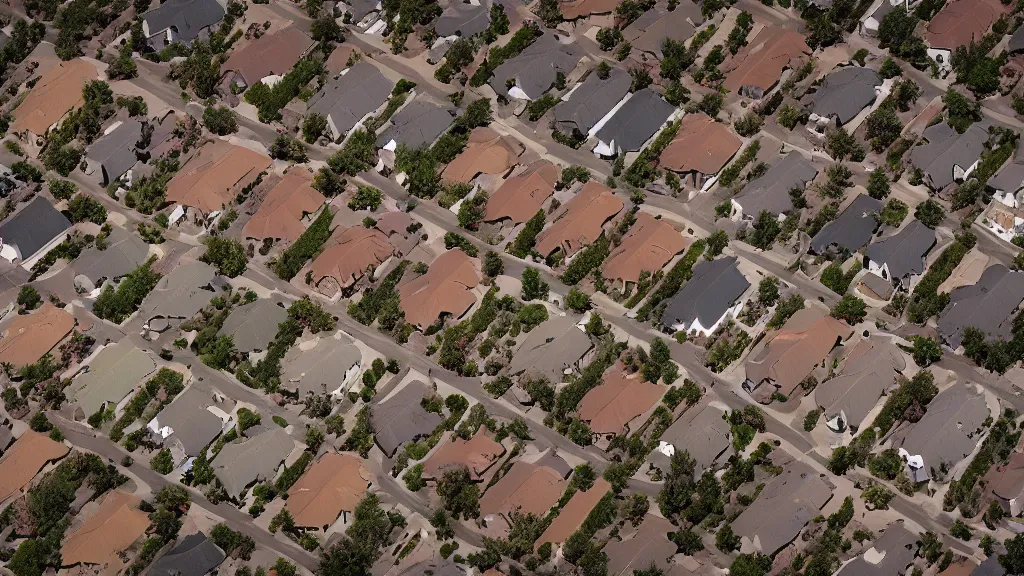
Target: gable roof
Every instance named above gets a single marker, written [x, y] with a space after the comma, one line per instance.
[401, 418]
[520, 197]
[446, 288]
[320, 368]
[620, 398]
[280, 214]
[56, 93]
[650, 545]
[180, 294]
[946, 149]
[475, 455]
[791, 354]
[332, 485]
[526, 488]
[33, 227]
[23, 460]
[487, 152]
[243, 462]
[870, 369]
[269, 55]
[702, 432]
[852, 229]
[648, 246]
[550, 348]
[195, 555]
[572, 515]
[115, 151]
[760, 63]
[949, 430]
[700, 145]
[30, 336]
[1010, 177]
[845, 92]
[193, 425]
[580, 221]
[890, 554]
[186, 17]
[1007, 480]
[463, 19]
[210, 179]
[536, 68]
[786, 504]
[987, 305]
[573, 9]
[110, 376]
[591, 100]
[345, 100]
[705, 297]
[771, 191]
[649, 31]
[903, 253]
[352, 252]
[253, 326]
[419, 123]
[114, 527]
[124, 253]
[961, 21]
[636, 121]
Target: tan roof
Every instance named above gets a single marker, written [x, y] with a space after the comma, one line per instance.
[576, 8]
[1007, 480]
[793, 352]
[280, 215]
[209, 180]
[114, 527]
[476, 455]
[526, 488]
[338, 60]
[334, 484]
[29, 337]
[961, 21]
[24, 459]
[395, 222]
[580, 220]
[487, 152]
[700, 145]
[520, 197]
[55, 94]
[445, 288]
[351, 253]
[649, 245]
[760, 63]
[620, 398]
[270, 55]
[574, 513]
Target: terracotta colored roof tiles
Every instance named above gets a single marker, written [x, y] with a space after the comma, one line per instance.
[526, 488]
[579, 221]
[701, 145]
[620, 398]
[961, 21]
[649, 245]
[445, 288]
[520, 197]
[30, 336]
[334, 484]
[209, 180]
[55, 94]
[352, 251]
[113, 528]
[395, 223]
[23, 460]
[280, 215]
[272, 54]
[574, 513]
[793, 352]
[486, 153]
[476, 455]
[577, 8]
[761, 62]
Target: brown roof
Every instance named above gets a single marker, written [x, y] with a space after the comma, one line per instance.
[29, 337]
[351, 253]
[580, 220]
[961, 21]
[280, 215]
[574, 513]
[24, 459]
[55, 94]
[520, 197]
[794, 351]
[395, 223]
[619, 399]
[487, 152]
[114, 527]
[700, 145]
[650, 545]
[338, 59]
[476, 455]
[761, 62]
[649, 245]
[576, 8]
[962, 568]
[445, 288]
[271, 54]
[335, 484]
[210, 179]
[1007, 481]
[527, 488]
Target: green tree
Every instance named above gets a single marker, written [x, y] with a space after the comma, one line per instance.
[850, 308]
[577, 301]
[768, 291]
[227, 254]
[926, 351]
[533, 287]
[313, 127]
[220, 120]
[878, 184]
[459, 494]
[930, 213]
[29, 299]
[366, 198]
[717, 242]
[162, 463]
[492, 264]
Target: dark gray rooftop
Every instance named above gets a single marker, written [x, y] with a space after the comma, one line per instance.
[846, 92]
[852, 229]
[771, 191]
[115, 152]
[987, 305]
[990, 567]
[345, 100]
[636, 121]
[401, 418]
[1009, 179]
[897, 547]
[186, 17]
[903, 253]
[33, 227]
[949, 430]
[536, 68]
[360, 8]
[195, 555]
[125, 252]
[705, 297]
[1016, 41]
[194, 427]
[463, 19]
[418, 124]
[946, 149]
[591, 100]
[253, 326]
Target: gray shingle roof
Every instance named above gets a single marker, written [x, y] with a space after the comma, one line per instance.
[115, 152]
[786, 504]
[551, 348]
[946, 149]
[111, 375]
[418, 124]
[987, 305]
[241, 463]
[33, 227]
[705, 297]
[319, 369]
[360, 8]
[186, 17]
[636, 121]
[401, 418]
[949, 430]
[897, 547]
[1009, 179]
[181, 293]
[903, 253]
[194, 427]
[125, 252]
[870, 370]
[852, 229]
[591, 100]
[846, 92]
[1016, 41]
[536, 68]
[771, 191]
[345, 100]
[700, 431]
[254, 325]
[463, 19]
[195, 555]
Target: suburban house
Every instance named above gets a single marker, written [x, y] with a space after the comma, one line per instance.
[1007, 482]
[521, 196]
[632, 124]
[648, 246]
[1008, 183]
[285, 210]
[702, 432]
[786, 504]
[189, 423]
[463, 19]
[24, 459]
[475, 455]
[253, 326]
[892, 553]
[870, 370]
[331, 489]
[852, 230]
[329, 366]
[180, 295]
[647, 33]
[700, 149]
[900, 257]
[869, 26]
[349, 98]
[446, 289]
[948, 157]
[948, 432]
[268, 58]
[590, 102]
[401, 418]
[29, 337]
[790, 355]
[648, 546]
[124, 253]
[100, 541]
[987, 305]
[571, 517]
[575, 9]
[525, 489]
[114, 153]
[550, 350]
[257, 457]
[487, 152]
[616, 405]
[580, 221]
[957, 24]
[419, 123]
[109, 377]
[31, 232]
[770, 192]
[759, 65]
[54, 95]
[842, 95]
[349, 253]
[180, 21]
[709, 298]
[193, 555]
[535, 70]
[211, 179]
